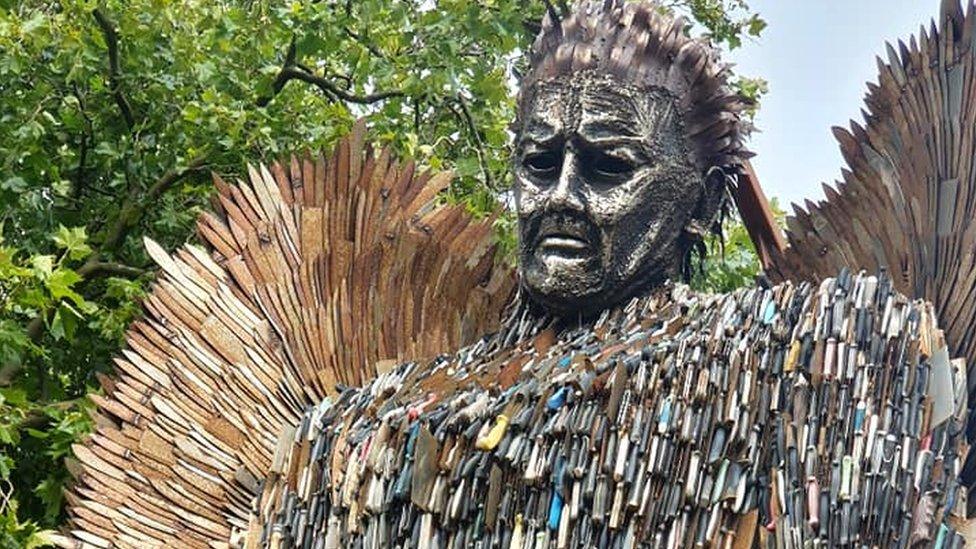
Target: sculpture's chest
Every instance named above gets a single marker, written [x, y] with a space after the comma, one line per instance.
[786, 417]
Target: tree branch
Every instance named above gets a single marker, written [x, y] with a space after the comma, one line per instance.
[129, 214]
[295, 71]
[110, 268]
[479, 144]
[133, 209]
[172, 177]
[362, 41]
[86, 137]
[114, 74]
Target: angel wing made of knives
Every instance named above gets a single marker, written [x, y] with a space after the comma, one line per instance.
[316, 272]
[907, 200]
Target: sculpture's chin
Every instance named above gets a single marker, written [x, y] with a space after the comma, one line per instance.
[564, 283]
[567, 284]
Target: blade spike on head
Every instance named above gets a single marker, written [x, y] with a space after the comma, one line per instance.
[552, 13]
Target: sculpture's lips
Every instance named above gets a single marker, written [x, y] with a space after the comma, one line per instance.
[563, 241]
[563, 235]
[567, 241]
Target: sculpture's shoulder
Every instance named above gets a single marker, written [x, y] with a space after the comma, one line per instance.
[828, 412]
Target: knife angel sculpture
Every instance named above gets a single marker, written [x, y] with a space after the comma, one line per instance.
[326, 272]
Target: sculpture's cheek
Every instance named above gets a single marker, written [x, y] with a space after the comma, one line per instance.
[640, 222]
[529, 198]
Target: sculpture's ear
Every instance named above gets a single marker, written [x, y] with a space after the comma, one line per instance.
[704, 220]
[713, 197]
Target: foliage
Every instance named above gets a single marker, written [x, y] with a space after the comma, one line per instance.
[731, 261]
[726, 22]
[15, 532]
[114, 114]
[752, 89]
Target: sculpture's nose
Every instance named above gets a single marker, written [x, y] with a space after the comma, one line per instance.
[565, 195]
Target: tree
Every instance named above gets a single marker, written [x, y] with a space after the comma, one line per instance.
[116, 112]
[731, 261]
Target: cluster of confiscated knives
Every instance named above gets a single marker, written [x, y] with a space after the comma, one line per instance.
[828, 415]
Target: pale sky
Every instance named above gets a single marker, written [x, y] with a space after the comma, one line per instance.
[817, 56]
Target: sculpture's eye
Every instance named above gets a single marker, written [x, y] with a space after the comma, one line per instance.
[609, 166]
[543, 164]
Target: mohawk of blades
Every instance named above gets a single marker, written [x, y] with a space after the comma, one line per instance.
[636, 43]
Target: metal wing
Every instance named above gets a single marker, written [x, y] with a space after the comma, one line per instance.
[907, 201]
[317, 271]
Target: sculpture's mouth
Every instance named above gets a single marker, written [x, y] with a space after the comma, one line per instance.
[560, 238]
[561, 242]
[567, 240]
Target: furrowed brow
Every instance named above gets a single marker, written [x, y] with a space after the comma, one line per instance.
[539, 132]
[600, 129]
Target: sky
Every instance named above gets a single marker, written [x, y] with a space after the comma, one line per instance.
[817, 56]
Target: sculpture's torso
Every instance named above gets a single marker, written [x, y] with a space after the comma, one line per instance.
[790, 416]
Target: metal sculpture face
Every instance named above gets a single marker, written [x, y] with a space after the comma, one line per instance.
[604, 189]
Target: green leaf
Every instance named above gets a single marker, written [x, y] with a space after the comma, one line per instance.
[13, 396]
[106, 149]
[60, 283]
[467, 167]
[7, 435]
[34, 23]
[6, 465]
[43, 265]
[65, 322]
[757, 25]
[15, 184]
[73, 241]
[41, 538]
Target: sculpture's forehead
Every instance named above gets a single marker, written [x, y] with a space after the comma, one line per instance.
[596, 106]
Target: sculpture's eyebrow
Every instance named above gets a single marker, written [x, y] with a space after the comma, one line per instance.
[598, 129]
[610, 131]
[603, 134]
[611, 140]
[540, 132]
